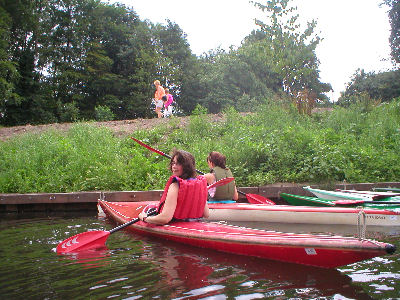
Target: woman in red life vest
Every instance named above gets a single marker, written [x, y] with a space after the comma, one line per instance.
[185, 194]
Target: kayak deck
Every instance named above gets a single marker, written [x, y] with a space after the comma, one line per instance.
[316, 250]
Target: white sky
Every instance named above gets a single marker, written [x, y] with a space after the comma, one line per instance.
[356, 32]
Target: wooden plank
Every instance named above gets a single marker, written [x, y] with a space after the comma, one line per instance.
[127, 196]
[79, 197]
[87, 200]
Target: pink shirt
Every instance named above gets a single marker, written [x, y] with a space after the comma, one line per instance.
[169, 101]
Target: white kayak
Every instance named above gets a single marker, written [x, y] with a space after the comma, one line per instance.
[338, 195]
[244, 212]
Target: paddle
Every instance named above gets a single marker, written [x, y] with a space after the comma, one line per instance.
[252, 198]
[352, 202]
[97, 238]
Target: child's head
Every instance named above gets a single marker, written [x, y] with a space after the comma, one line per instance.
[164, 98]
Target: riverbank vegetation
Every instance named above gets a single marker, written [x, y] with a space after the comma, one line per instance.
[358, 144]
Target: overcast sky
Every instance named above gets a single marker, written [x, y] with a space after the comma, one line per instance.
[355, 32]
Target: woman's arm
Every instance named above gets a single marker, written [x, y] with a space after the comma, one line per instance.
[235, 195]
[210, 178]
[168, 210]
[206, 213]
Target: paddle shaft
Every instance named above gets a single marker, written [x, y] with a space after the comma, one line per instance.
[150, 213]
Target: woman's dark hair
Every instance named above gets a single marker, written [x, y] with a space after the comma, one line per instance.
[186, 160]
[218, 159]
[164, 98]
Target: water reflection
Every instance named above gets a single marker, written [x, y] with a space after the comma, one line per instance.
[92, 258]
[196, 272]
[133, 267]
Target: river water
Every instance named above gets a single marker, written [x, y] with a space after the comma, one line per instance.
[135, 267]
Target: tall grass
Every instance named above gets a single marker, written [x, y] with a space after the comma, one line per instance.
[273, 145]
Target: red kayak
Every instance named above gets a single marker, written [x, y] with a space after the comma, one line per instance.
[315, 250]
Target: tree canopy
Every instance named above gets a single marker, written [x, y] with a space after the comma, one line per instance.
[69, 60]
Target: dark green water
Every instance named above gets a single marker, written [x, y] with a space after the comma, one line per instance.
[133, 267]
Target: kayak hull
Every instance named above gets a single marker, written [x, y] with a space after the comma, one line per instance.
[352, 195]
[243, 212]
[315, 250]
[315, 201]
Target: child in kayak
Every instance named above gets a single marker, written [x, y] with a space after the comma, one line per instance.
[218, 170]
[185, 194]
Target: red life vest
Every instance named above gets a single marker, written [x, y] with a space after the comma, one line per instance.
[192, 197]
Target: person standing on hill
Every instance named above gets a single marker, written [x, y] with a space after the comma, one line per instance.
[218, 170]
[167, 108]
[170, 99]
[160, 92]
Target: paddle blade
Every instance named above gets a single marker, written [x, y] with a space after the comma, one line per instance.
[83, 241]
[258, 199]
[223, 181]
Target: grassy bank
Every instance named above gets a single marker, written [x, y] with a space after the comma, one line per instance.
[358, 144]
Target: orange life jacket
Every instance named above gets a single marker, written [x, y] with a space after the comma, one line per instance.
[192, 197]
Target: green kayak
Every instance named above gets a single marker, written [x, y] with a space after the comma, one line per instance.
[388, 189]
[315, 201]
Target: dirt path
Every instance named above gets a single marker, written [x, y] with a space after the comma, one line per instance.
[120, 128]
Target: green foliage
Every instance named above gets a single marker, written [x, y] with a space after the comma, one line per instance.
[69, 112]
[103, 113]
[286, 51]
[370, 86]
[394, 19]
[57, 56]
[87, 158]
[274, 145]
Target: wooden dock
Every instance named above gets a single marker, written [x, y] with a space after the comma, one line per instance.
[87, 201]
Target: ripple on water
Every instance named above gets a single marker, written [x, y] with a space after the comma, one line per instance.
[133, 267]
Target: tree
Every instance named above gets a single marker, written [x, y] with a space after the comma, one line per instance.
[24, 104]
[118, 66]
[287, 52]
[394, 19]
[8, 71]
[383, 86]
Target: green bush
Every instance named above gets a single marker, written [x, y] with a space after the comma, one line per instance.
[103, 113]
[275, 144]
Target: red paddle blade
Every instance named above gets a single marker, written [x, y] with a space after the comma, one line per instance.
[83, 241]
[150, 148]
[223, 181]
[257, 199]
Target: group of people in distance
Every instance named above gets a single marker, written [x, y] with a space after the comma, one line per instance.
[162, 98]
[185, 194]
